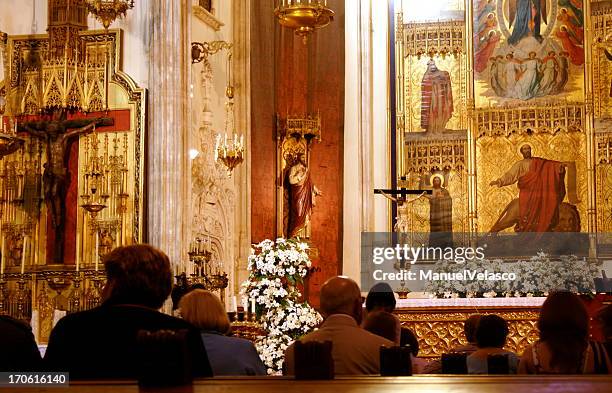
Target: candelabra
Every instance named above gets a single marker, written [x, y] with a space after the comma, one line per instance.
[207, 273]
[107, 11]
[245, 325]
[230, 153]
[95, 193]
[304, 16]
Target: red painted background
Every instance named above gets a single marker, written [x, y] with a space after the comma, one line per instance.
[288, 77]
[72, 200]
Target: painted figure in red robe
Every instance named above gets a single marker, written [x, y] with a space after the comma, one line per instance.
[436, 99]
[541, 186]
[571, 44]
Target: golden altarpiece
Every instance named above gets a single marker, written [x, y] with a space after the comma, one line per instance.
[80, 182]
[477, 80]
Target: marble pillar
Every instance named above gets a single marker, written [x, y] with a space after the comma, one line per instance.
[168, 128]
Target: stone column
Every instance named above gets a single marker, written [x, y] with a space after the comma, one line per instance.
[241, 23]
[168, 173]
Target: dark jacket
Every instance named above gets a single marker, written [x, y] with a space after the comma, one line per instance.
[232, 355]
[102, 343]
[18, 350]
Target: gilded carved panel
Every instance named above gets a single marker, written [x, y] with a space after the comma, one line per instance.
[440, 330]
[519, 78]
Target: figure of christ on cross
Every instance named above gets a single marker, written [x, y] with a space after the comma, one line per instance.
[57, 134]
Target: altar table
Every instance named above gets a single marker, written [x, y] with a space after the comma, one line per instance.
[438, 323]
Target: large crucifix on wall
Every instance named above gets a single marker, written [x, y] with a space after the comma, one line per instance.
[57, 134]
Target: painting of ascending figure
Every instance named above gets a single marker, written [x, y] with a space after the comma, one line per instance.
[526, 17]
[527, 49]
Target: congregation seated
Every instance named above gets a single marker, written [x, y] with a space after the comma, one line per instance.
[383, 324]
[227, 355]
[564, 347]
[491, 335]
[409, 339]
[102, 343]
[605, 319]
[355, 351]
[469, 331]
[18, 350]
[380, 298]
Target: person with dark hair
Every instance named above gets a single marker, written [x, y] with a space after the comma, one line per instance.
[605, 319]
[355, 351]
[469, 331]
[380, 298]
[18, 350]
[102, 343]
[408, 338]
[491, 335]
[383, 324]
[564, 346]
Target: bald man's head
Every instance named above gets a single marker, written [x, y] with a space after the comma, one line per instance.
[341, 295]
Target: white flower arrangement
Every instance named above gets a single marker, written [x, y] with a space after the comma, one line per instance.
[537, 276]
[276, 268]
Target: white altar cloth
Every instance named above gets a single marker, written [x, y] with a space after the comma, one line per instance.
[472, 302]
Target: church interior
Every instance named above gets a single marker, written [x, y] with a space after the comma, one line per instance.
[254, 194]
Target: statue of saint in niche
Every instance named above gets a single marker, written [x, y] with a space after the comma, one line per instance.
[301, 194]
[440, 214]
[436, 99]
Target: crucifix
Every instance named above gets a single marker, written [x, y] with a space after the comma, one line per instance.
[57, 134]
[399, 197]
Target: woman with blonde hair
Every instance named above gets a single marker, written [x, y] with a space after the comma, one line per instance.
[227, 355]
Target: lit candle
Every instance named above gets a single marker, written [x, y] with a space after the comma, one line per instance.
[97, 256]
[217, 146]
[241, 141]
[234, 304]
[78, 251]
[3, 255]
[252, 306]
[23, 254]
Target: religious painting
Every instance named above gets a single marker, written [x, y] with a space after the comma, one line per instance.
[532, 183]
[528, 49]
[431, 63]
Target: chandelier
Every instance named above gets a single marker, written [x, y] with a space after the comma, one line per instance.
[304, 16]
[107, 11]
[230, 150]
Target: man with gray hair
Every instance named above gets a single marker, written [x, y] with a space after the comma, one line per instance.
[355, 351]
